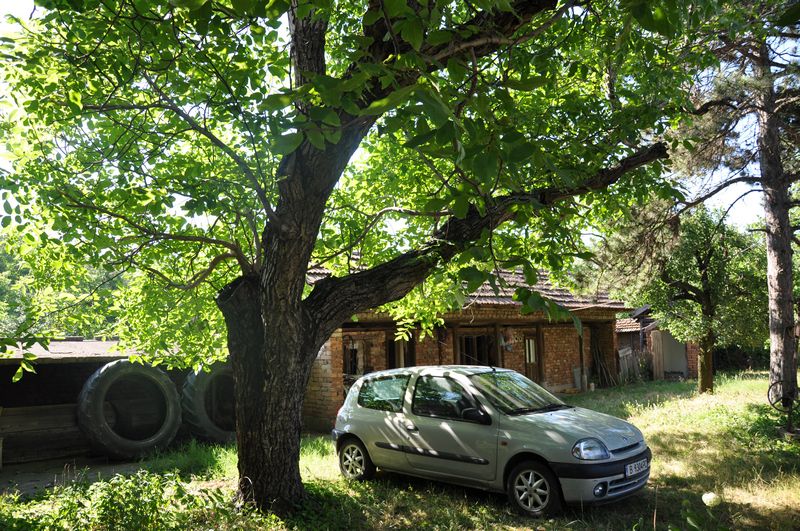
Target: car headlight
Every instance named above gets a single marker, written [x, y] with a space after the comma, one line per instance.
[590, 450]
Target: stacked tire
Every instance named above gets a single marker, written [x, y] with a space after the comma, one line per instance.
[128, 410]
[208, 404]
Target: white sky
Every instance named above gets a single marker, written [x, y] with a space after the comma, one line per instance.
[746, 211]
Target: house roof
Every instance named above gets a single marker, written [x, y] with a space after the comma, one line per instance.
[70, 351]
[628, 325]
[515, 279]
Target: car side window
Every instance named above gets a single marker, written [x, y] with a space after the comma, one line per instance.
[384, 394]
[436, 396]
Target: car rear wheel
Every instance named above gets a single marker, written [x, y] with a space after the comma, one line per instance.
[354, 461]
[533, 489]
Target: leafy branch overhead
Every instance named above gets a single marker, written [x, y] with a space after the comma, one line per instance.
[224, 147]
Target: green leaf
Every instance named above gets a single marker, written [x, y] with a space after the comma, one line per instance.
[790, 17]
[422, 138]
[242, 7]
[412, 32]
[316, 137]
[526, 84]
[461, 206]
[438, 37]
[395, 7]
[75, 98]
[578, 324]
[395, 99]
[274, 102]
[486, 165]
[189, 4]
[435, 204]
[473, 276]
[18, 375]
[651, 18]
[285, 144]
[436, 109]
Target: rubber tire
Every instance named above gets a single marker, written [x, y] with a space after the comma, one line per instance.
[193, 403]
[91, 414]
[553, 505]
[369, 466]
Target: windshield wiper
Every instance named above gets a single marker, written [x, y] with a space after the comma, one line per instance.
[543, 409]
[553, 407]
[521, 410]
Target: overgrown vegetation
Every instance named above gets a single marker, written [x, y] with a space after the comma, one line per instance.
[723, 443]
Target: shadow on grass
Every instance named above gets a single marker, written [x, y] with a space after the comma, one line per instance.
[626, 400]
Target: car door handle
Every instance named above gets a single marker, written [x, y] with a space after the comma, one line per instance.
[411, 428]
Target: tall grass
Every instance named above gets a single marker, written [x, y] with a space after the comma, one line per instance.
[726, 442]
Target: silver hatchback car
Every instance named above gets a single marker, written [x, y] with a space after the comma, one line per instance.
[492, 429]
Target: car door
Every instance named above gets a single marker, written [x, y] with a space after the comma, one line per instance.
[379, 420]
[440, 441]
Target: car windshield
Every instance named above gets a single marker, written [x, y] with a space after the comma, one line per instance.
[513, 394]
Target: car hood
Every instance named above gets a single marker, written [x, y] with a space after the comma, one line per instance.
[577, 423]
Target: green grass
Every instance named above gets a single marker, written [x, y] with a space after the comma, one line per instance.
[726, 443]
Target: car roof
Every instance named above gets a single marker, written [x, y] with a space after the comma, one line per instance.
[436, 370]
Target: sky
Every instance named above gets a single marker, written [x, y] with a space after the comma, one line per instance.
[746, 211]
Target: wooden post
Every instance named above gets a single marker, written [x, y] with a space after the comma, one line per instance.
[456, 346]
[498, 350]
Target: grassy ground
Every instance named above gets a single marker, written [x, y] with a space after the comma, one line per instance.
[725, 443]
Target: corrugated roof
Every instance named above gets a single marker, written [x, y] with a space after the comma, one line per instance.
[70, 351]
[628, 325]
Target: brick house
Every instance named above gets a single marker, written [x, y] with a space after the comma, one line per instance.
[489, 330]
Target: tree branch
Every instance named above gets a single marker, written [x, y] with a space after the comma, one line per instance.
[333, 299]
[215, 140]
[196, 279]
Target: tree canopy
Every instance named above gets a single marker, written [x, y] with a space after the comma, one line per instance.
[223, 148]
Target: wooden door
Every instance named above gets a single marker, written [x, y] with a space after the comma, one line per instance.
[532, 365]
[658, 355]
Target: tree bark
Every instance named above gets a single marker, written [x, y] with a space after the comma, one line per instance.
[775, 182]
[271, 367]
[705, 363]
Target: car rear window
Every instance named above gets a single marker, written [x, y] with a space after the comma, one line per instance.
[384, 394]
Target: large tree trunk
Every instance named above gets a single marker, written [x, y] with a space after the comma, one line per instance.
[271, 366]
[783, 365]
[705, 363]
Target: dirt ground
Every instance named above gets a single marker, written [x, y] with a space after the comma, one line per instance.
[30, 478]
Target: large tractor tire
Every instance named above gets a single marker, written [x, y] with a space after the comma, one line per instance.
[128, 410]
[208, 404]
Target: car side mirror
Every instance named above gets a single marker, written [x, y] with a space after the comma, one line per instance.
[474, 414]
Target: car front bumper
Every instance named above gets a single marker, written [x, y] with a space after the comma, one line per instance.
[578, 481]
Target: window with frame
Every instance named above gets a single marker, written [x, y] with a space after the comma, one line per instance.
[384, 394]
[437, 396]
[400, 353]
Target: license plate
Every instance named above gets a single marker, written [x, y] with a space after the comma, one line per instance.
[636, 467]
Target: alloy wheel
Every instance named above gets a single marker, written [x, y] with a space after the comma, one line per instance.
[532, 491]
[352, 461]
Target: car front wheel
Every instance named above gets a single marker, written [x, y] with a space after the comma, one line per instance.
[354, 461]
[533, 489]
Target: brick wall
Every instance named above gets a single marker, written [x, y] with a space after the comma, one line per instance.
[562, 354]
[325, 389]
[436, 349]
[515, 358]
[692, 353]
